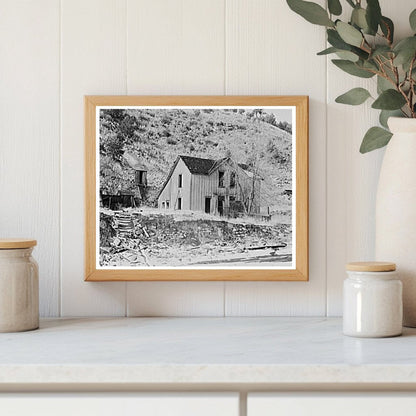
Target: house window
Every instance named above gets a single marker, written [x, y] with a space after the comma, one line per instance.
[221, 179]
[167, 204]
[180, 180]
[163, 205]
[179, 203]
[232, 180]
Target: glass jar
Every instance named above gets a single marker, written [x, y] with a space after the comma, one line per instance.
[19, 286]
[372, 300]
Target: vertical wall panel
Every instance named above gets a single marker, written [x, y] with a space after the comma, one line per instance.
[93, 58]
[352, 177]
[175, 47]
[271, 50]
[29, 135]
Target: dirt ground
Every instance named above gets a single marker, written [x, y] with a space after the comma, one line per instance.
[143, 238]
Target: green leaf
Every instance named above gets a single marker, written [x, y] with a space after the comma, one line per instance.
[352, 68]
[356, 96]
[405, 50]
[349, 34]
[383, 84]
[389, 100]
[387, 27]
[327, 51]
[358, 18]
[370, 64]
[386, 114]
[334, 7]
[381, 50]
[412, 20]
[351, 3]
[311, 12]
[375, 138]
[350, 56]
[347, 55]
[373, 15]
[335, 40]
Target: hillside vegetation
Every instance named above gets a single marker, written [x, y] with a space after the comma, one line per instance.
[157, 137]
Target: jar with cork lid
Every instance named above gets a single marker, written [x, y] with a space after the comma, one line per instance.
[372, 300]
[19, 286]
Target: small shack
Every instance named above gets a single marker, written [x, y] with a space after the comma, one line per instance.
[133, 195]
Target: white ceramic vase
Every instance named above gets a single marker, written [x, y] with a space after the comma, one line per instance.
[396, 210]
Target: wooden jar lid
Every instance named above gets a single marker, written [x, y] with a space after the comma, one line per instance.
[11, 243]
[371, 266]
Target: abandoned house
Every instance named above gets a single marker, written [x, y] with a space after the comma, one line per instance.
[221, 187]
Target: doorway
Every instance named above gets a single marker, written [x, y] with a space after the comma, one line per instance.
[221, 201]
[207, 205]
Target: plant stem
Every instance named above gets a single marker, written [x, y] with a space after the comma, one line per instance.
[411, 92]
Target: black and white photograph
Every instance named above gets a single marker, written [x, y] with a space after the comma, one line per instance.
[195, 187]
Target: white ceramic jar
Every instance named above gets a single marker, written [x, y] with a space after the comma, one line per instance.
[19, 286]
[372, 300]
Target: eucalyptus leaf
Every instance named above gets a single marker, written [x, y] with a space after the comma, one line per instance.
[352, 68]
[375, 138]
[335, 40]
[383, 84]
[405, 50]
[311, 12]
[360, 52]
[381, 50]
[389, 100]
[358, 18]
[347, 55]
[370, 64]
[387, 27]
[350, 56]
[412, 20]
[386, 114]
[334, 7]
[349, 34]
[327, 51]
[356, 96]
[351, 3]
[373, 15]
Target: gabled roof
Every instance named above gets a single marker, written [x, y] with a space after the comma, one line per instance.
[198, 165]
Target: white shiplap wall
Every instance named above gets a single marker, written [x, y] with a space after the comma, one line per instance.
[56, 51]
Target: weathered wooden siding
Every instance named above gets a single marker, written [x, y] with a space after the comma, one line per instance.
[207, 186]
[172, 192]
[203, 186]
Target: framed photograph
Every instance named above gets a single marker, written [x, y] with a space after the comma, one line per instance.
[196, 188]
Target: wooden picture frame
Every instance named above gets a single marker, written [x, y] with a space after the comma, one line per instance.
[105, 109]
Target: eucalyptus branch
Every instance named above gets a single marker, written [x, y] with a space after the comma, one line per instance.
[411, 82]
[365, 43]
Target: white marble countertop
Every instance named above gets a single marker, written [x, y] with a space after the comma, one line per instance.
[185, 352]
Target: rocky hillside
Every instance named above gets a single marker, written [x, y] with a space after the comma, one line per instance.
[156, 138]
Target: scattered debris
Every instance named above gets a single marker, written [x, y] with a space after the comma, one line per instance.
[136, 238]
